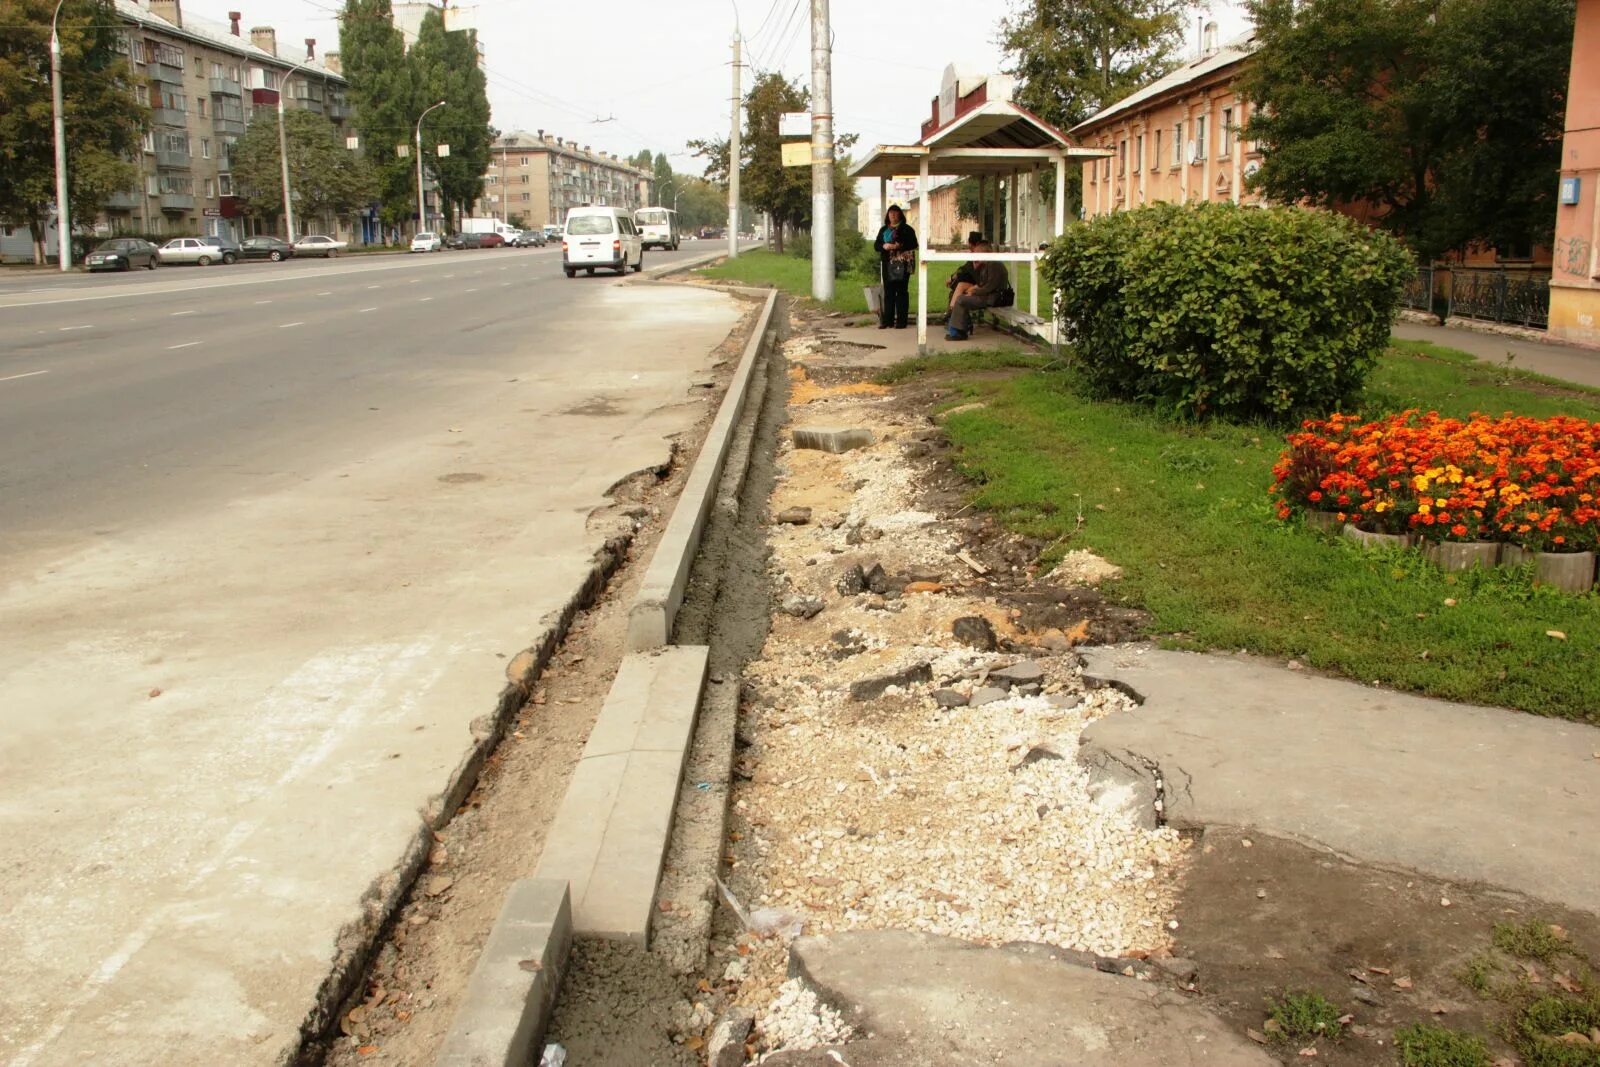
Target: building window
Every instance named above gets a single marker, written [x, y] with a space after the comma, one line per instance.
[1155, 153]
[225, 184]
[1177, 144]
[141, 93]
[1199, 138]
[526, 197]
[524, 179]
[211, 189]
[200, 104]
[205, 148]
[524, 161]
[1138, 153]
[216, 70]
[199, 67]
[1122, 159]
[1225, 134]
[152, 184]
[149, 141]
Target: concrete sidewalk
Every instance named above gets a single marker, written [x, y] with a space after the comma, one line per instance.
[1467, 794]
[1566, 362]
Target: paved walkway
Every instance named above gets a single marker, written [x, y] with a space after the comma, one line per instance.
[1567, 362]
[1467, 794]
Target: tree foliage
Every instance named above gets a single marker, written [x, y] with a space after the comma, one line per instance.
[1445, 115]
[445, 67]
[1072, 58]
[324, 176]
[1216, 310]
[103, 121]
[384, 94]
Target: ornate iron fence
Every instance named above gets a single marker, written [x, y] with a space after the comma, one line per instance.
[1418, 294]
[1522, 300]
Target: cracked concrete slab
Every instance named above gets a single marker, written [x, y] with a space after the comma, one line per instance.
[923, 999]
[1465, 793]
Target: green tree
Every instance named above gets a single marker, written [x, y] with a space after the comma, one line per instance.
[1444, 115]
[324, 175]
[384, 93]
[103, 121]
[1072, 58]
[666, 182]
[700, 203]
[445, 65]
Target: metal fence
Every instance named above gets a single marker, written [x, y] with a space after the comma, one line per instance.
[1418, 294]
[1496, 296]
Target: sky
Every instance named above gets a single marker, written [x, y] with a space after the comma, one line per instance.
[655, 73]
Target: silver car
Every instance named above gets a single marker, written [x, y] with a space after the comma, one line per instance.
[319, 245]
[190, 250]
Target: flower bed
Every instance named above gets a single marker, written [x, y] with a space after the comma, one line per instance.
[1531, 483]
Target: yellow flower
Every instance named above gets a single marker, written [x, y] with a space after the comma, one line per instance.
[1423, 509]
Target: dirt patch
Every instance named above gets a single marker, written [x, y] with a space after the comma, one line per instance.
[620, 1005]
[1260, 916]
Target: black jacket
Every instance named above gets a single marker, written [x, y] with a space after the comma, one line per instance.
[904, 236]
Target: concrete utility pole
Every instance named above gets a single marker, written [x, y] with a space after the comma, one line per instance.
[821, 153]
[283, 154]
[63, 214]
[733, 157]
[422, 218]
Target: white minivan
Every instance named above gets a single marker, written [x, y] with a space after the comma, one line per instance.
[601, 237]
[658, 227]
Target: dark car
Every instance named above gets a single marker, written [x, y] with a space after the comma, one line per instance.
[227, 248]
[490, 240]
[273, 248]
[529, 239]
[122, 253]
[464, 240]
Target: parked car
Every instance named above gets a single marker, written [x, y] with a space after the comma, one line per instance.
[190, 250]
[490, 240]
[553, 232]
[316, 244]
[461, 240]
[427, 242]
[601, 237]
[123, 253]
[273, 248]
[227, 248]
[530, 239]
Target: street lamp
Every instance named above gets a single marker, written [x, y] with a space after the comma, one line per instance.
[422, 219]
[63, 215]
[283, 154]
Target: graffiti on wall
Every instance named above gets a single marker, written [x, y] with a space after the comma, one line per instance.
[1572, 256]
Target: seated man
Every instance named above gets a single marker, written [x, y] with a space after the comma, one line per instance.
[992, 279]
[966, 275]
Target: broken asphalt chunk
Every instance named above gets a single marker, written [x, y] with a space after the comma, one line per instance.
[832, 438]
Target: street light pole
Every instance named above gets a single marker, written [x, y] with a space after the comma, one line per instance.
[422, 219]
[63, 214]
[283, 155]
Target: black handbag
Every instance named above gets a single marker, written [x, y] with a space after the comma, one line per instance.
[1007, 297]
[897, 269]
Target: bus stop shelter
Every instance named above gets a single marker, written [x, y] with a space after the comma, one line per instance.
[977, 131]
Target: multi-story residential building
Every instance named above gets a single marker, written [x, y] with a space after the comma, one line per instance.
[204, 82]
[539, 177]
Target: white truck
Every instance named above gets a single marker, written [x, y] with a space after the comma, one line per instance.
[490, 226]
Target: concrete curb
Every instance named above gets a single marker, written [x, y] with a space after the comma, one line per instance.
[513, 990]
[660, 594]
[678, 265]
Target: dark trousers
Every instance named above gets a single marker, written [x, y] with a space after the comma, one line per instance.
[961, 310]
[896, 300]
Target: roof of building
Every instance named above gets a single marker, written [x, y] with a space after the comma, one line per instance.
[217, 35]
[532, 142]
[1233, 52]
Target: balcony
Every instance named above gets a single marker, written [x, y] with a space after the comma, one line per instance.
[225, 87]
[124, 201]
[177, 201]
[163, 73]
[172, 160]
[168, 116]
[338, 110]
[229, 126]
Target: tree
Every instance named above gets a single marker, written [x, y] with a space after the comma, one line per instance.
[445, 65]
[384, 94]
[104, 123]
[700, 203]
[1072, 58]
[665, 181]
[324, 175]
[1445, 116]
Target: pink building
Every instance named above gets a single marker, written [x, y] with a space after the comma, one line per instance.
[1575, 273]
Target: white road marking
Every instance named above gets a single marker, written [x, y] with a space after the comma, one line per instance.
[374, 287]
[286, 325]
[68, 329]
[504, 285]
[175, 314]
[328, 292]
[363, 311]
[449, 275]
[474, 289]
[186, 344]
[424, 300]
[30, 374]
[263, 301]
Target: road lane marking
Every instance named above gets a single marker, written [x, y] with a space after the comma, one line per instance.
[363, 311]
[175, 314]
[30, 374]
[286, 325]
[474, 289]
[263, 301]
[374, 287]
[505, 285]
[186, 344]
[68, 329]
[328, 293]
[424, 300]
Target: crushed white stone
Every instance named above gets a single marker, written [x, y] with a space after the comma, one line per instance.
[797, 1020]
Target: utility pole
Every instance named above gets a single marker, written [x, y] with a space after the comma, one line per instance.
[821, 153]
[283, 154]
[733, 157]
[63, 214]
[422, 218]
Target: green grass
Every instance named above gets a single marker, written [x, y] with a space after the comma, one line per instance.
[793, 275]
[1302, 1017]
[1531, 940]
[1540, 1024]
[1423, 1045]
[1478, 974]
[1184, 511]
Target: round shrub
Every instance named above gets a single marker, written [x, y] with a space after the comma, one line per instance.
[1220, 311]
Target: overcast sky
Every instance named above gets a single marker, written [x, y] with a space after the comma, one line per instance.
[559, 67]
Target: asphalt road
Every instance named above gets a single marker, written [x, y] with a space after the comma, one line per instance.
[270, 534]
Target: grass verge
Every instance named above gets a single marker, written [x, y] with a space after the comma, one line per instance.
[1184, 511]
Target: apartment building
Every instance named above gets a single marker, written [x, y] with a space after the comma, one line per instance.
[203, 82]
[539, 177]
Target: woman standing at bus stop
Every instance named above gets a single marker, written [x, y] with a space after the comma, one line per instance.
[897, 251]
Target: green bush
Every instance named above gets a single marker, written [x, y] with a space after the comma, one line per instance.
[851, 251]
[1216, 310]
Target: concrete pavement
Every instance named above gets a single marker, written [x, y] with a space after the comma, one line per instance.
[1566, 362]
[270, 546]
